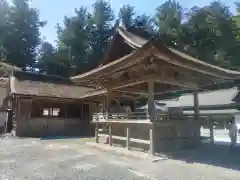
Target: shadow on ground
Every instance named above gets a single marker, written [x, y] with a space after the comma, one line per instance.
[216, 155]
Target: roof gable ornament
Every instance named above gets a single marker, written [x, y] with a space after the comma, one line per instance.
[151, 64]
[121, 24]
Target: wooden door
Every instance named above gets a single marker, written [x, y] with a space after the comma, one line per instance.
[85, 112]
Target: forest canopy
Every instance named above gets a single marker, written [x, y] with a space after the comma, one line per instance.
[210, 33]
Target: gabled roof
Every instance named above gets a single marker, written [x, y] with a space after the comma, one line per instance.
[36, 84]
[144, 48]
[133, 40]
[122, 39]
[218, 112]
[157, 107]
[206, 98]
[6, 69]
[3, 82]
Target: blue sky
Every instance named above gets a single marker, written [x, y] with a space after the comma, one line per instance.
[54, 10]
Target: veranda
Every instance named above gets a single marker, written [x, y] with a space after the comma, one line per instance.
[144, 69]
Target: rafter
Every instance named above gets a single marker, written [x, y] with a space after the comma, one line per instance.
[175, 62]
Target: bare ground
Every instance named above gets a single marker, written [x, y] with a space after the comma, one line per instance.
[73, 159]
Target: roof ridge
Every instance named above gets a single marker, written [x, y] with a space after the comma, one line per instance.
[209, 91]
[195, 60]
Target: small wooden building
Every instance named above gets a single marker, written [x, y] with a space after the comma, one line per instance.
[137, 66]
[46, 105]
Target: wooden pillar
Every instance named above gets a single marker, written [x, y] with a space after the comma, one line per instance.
[152, 139]
[17, 113]
[151, 104]
[134, 105]
[108, 102]
[211, 131]
[196, 105]
[96, 133]
[103, 105]
[225, 124]
[196, 114]
[110, 135]
[128, 138]
[110, 97]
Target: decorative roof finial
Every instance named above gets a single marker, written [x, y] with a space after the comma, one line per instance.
[122, 24]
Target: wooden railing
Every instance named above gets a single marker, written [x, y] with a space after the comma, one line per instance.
[128, 140]
[105, 129]
[98, 117]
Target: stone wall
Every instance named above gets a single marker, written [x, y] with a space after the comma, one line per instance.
[38, 127]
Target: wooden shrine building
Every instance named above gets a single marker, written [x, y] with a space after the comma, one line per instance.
[46, 105]
[137, 66]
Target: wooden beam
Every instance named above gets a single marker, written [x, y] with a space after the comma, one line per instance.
[127, 83]
[176, 62]
[151, 105]
[152, 140]
[128, 96]
[130, 92]
[136, 89]
[211, 131]
[156, 78]
[128, 138]
[197, 115]
[172, 81]
[114, 66]
[110, 135]
[96, 133]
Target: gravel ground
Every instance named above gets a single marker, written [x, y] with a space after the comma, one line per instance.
[72, 159]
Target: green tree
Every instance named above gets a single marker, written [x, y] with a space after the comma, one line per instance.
[211, 35]
[21, 34]
[144, 21]
[74, 39]
[126, 15]
[168, 20]
[54, 61]
[101, 31]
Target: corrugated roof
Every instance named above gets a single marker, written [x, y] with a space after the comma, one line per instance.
[35, 84]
